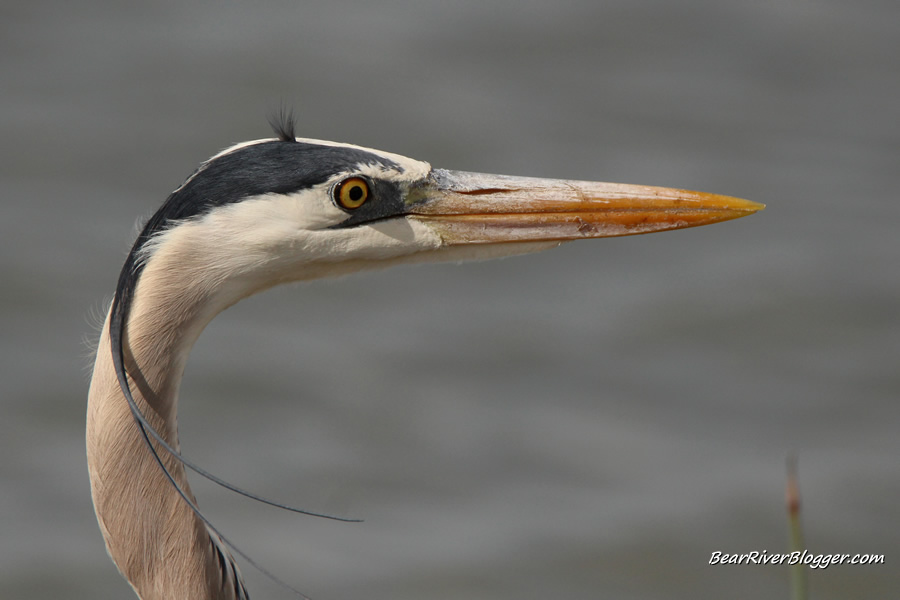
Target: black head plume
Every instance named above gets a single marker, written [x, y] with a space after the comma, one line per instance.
[284, 124]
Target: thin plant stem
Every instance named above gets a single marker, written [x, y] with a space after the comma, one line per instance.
[792, 497]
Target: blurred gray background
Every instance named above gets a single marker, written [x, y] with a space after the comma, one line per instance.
[591, 422]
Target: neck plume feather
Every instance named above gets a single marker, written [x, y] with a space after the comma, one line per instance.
[191, 272]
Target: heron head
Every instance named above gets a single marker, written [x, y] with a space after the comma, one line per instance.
[289, 209]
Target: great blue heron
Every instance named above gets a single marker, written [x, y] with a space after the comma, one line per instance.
[286, 209]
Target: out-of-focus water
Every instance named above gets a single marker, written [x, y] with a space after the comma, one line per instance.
[591, 422]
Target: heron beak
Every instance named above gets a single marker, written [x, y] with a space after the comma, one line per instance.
[476, 208]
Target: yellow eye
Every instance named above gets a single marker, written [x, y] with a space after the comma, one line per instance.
[351, 193]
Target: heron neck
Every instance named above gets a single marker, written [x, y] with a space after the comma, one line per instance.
[154, 538]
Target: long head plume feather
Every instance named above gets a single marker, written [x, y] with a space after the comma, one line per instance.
[283, 124]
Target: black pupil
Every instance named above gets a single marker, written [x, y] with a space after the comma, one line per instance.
[356, 193]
